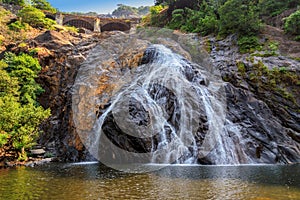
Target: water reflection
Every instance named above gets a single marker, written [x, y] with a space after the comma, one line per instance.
[95, 181]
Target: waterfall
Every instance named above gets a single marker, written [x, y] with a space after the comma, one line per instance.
[136, 101]
[166, 108]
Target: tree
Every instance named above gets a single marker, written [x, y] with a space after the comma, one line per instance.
[25, 69]
[239, 16]
[35, 17]
[19, 118]
[275, 7]
[43, 5]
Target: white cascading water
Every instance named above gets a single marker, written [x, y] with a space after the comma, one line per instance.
[176, 131]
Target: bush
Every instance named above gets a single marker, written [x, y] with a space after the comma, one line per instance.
[17, 26]
[292, 23]
[208, 24]
[202, 21]
[239, 17]
[248, 44]
[19, 119]
[192, 20]
[276, 7]
[156, 17]
[72, 29]
[3, 138]
[35, 17]
[154, 10]
[177, 19]
[25, 68]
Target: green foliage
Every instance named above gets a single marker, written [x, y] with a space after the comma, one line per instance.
[154, 10]
[8, 85]
[72, 29]
[224, 17]
[269, 48]
[25, 68]
[35, 17]
[209, 24]
[20, 115]
[297, 38]
[202, 21]
[3, 138]
[17, 26]
[248, 44]
[20, 122]
[15, 2]
[279, 79]
[292, 24]
[240, 17]
[276, 7]
[43, 5]
[33, 52]
[273, 47]
[177, 19]
[210, 16]
[241, 68]
[156, 18]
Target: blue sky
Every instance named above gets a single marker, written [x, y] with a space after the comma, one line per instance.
[99, 6]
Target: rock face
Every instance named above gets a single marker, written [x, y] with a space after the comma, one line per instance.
[267, 114]
[60, 55]
[261, 123]
[262, 117]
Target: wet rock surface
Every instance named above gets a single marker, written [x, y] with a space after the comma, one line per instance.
[262, 123]
[257, 133]
[268, 119]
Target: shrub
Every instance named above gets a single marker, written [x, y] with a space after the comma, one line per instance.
[248, 44]
[154, 10]
[239, 17]
[25, 68]
[35, 17]
[3, 138]
[72, 29]
[177, 19]
[292, 23]
[208, 24]
[202, 21]
[19, 119]
[156, 17]
[17, 26]
[276, 7]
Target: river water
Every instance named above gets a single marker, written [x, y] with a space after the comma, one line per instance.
[96, 181]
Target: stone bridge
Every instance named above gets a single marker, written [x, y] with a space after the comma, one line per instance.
[95, 24]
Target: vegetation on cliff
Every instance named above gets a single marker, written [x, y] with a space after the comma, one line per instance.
[223, 17]
[20, 112]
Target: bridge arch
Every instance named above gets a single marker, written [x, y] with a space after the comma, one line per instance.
[115, 26]
[50, 16]
[79, 23]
